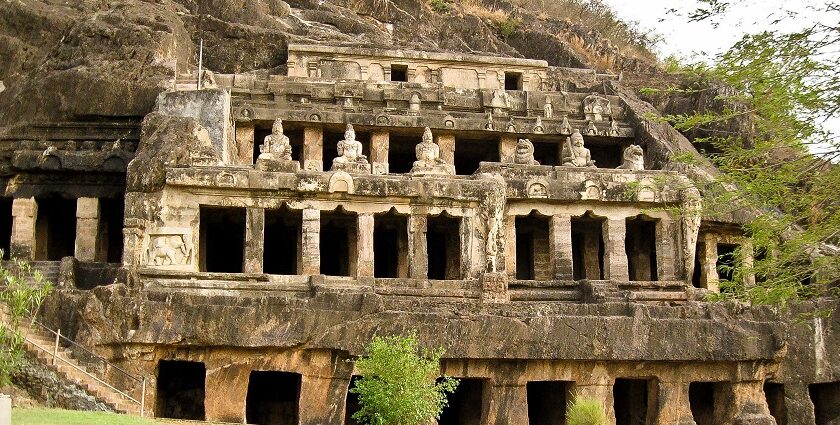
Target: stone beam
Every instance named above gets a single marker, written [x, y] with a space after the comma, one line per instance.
[87, 228]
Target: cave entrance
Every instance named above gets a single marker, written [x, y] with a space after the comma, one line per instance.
[6, 222]
[533, 260]
[272, 398]
[282, 241]
[443, 245]
[351, 402]
[775, 395]
[632, 401]
[470, 153]
[221, 239]
[338, 243]
[401, 154]
[826, 399]
[55, 229]
[465, 404]
[726, 261]
[180, 390]
[547, 153]
[547, 401]
[110, 239]
[390, 245]
[588, 247]
[702, 397]
[640, 247]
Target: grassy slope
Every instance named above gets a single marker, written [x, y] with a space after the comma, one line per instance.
[71, 417]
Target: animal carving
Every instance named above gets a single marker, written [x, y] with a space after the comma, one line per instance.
[633, 158]
[165, 251]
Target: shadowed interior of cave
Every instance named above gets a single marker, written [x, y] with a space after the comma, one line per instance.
[180, 390]
[533, 259]
[465, 404]
[390, 245]
[588, 247]
[55, 228]
[338, 243]
[640, 247]
[547, 402]
[631, 404]
[282, 241]
[221, 239]
[272, 398]
[443, 243]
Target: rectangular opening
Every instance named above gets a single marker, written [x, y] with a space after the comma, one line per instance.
[513, 81]
[465, 404]
[401, 155]
[6, 220]
[469, 154]
[351, 403]
[110, 244]
[696, 279]
[547, 402]
[390, 245]
[826, 400]
[282, 241]
[338, 243]
[640, 247]
[775, 395]
[221, 239]
[272, 398]
[443, 244]
[588, 247]
[55, 229]
[632, 401]
[726, 261]
[547, 153]
[533, 259]
[331, 139]
[180, 390]
[399, 72]
[701, 399]
[605, 155]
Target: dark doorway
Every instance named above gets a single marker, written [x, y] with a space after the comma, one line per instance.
[513, 81]
[547, 153]
[826, 399]
[401, 154]
[696, 279]
[465, 404]
[351, 403]
[443, 244]
[272, 398]
[726, 261]
[547, 402]
[180, 390]
[775, 395]
[399, 73]
[6, 221]
[338, 243]
[533, 260]
[221, 239]
[469, 153]
[110, 246]
[631, 401]
[390, 245]
[701, 399]
[282, 239]
[640, 247]
[588, 247]
[55, 229]
[605, 155]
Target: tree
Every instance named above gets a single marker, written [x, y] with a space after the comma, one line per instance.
[398, 383]
[585, 411]
[775, 91]
[23, 290]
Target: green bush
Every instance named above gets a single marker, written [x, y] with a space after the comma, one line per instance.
[585, 411]
[508, 26]
[440, 6]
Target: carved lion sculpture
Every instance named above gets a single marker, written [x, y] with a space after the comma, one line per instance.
[633, 158]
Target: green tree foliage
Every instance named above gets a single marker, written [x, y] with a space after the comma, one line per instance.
[23, 290]
[585, 411]
[398, 384]
[773, 92]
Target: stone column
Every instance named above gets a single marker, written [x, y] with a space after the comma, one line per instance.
[507, 148]
[379, 145]
[364, 233]
[313, 148]
[322, 400]
[666, 249]
[245, 144]
[747, 403]
[615, 261]
[708, 263]
[506, 405]
[226, 389]
[446, 142]
[254, 240]
[87, 228]
[560, 236]
[510, 246]
[24, 214]
[674, 408]
[601, 391]
[418, 259]
[310, 247]
[747, 258]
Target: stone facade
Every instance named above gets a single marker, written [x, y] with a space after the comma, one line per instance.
[269, 227]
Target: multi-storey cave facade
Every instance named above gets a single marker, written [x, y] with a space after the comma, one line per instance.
[254, 232]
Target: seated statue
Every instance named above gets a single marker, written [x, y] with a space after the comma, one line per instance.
[350, 149]
[524, 153]
[574, 153]
[633, 158]
[276, 145]
[428, 157]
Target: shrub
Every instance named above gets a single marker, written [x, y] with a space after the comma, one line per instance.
[585, 411]
[440, 6]
[508, 26]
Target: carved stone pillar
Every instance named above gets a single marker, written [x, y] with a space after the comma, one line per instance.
[87, 228]
[313, 148]
[245, 143]
[510, 246]
[24, 214]
[506, 404]
[364, 232]
[379, 145]
[745, 404]
[600, 391]
[507, 148]
[560, 235]
[322, 400]
[674, 407]
[226, 389]
[666, 249]
[708, 262]
[418, 259]
[615, 261]
[254, 240]
[446, 142]
[310, 246]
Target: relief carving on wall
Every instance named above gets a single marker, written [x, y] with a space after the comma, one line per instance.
[169, 248]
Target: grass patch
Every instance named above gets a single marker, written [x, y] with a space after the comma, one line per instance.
[73, 417]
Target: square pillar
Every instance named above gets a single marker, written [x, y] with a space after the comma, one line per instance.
[87, 228]
[418, 259]
[666, 249]
[615, 257]
[472, 248]
[364, 247]
[310, 247]
[603, 392]
[245, 144]
[747, 259]
[446, 142]
[313, 148]
[24, 214]
[674, 407]
[226, 390]
[379, 145]
[510, 246]
[708, 262]
[322, 400]
[506, 405]
[507, 148]
[560, 239]
[254, 240]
